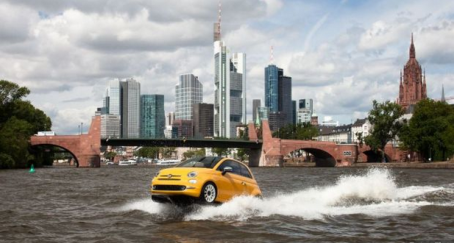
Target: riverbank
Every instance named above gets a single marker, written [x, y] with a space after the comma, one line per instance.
[414, 165]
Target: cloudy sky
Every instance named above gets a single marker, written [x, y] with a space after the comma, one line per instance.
[343, 54]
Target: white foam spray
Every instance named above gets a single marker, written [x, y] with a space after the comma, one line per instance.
[375, 193]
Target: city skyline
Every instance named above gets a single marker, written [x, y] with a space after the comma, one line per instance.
[341, 54]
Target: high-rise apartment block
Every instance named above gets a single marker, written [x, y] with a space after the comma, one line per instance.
[188, 91]
[152, 117]
[130, 108]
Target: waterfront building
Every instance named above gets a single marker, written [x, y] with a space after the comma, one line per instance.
[152, 117]
[338, 134]
[314, 119]
[255, 106]
[203, 120]
[130, 108]
[110, 126]
[188, 91]
[412, 86]
[305, 110]
[360, 129]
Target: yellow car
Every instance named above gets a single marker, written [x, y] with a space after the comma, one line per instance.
[205, 180]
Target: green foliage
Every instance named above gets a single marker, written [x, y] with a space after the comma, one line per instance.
[110, 155]
[430, 131]
[147, 152]
[300, 131]
[18, 121]
[242, 154]
[221, 151]
[385, 126]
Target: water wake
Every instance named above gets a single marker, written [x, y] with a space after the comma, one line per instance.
[374, 193]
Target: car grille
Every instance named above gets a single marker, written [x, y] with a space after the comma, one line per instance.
[168, 188]
[169, 177]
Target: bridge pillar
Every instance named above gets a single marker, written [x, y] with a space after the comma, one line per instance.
[254, 157]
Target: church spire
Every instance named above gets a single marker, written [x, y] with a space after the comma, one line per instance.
[412, 48]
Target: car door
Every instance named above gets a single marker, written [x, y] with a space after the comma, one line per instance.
[231, 181]
[248, 183]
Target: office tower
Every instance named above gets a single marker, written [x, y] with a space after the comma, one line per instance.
[285, 98]
[255, 106]
[152, 117]
[203, 120]
[294, 112]
[113, 94]
[221, 86]
[130, 108]
[110, 126]
[272, 73]
[188, 91]
[306, 108]
[237, 91]
[238, 65]
[278, 97]
[229, 98]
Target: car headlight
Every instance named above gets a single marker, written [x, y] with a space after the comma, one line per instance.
[192, 174]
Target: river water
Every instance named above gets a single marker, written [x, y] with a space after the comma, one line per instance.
[112, 204]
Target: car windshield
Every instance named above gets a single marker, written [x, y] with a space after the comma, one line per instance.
[200, 162]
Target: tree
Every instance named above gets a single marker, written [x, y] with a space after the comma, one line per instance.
[148, 152]
[300, 131]
[385, 125]
[221, 151]
[430, 131]
[19, 120]
[242, 154]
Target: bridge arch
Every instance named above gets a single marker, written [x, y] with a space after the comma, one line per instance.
[321, 157]
[76, 160]
[372, 156]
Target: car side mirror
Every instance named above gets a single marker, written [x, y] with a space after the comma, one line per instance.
[227, 169]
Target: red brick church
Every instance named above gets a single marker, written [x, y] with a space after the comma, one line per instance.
[412, 82]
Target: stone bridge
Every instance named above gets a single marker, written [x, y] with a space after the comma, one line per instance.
[84, 148]
[263, 151]
[325, 153]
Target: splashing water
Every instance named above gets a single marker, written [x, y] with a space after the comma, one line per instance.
[374, 193]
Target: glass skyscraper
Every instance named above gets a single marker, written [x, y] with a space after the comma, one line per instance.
[221, 91]
[152, 116]
[272, 73]
[188, 91]
[130, 108]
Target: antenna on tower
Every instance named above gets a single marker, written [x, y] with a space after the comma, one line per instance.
[219, 18]
[271, 54]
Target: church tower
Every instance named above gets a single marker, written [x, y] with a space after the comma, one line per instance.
[412, 82]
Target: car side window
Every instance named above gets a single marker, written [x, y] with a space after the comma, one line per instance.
[223, 165]
[236, 169]
[245, 172]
